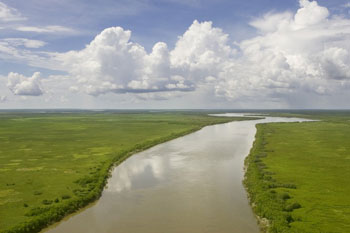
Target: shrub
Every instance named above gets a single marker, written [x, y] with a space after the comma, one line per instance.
[37, 211]
[289, 186]
[284, 196]
[47, 202]
[65, 197]
[292, 207]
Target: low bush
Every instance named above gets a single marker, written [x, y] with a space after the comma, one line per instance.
[65, 197]
[47, 202]
[292, 207]
[284, 196]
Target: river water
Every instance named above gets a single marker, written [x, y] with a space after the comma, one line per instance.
[190, 184]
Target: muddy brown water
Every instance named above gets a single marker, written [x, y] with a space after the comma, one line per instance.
[190, 184]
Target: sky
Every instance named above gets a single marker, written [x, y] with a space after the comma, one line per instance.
[175, 54]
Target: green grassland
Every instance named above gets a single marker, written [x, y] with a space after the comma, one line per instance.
[53, 164]
[298, 174]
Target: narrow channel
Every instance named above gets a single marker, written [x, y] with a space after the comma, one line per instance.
[190, 184]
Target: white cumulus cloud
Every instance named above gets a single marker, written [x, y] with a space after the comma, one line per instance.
[113, 63]
[8, 14]
[25, 86]
[303, 53]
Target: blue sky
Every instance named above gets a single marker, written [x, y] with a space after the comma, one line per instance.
[150, 21]
[64, 26]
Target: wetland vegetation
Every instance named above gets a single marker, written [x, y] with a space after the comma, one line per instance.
[52, 164]
[298, 174]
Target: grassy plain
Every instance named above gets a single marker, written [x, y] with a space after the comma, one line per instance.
[55, 163]
[298, 174]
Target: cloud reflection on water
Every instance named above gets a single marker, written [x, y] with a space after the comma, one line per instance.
[149, 170]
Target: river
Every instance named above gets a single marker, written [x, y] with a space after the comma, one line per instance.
[190, 184]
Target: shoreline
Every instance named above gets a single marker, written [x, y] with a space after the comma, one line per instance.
[48, 216]
[263, 223]
[260, 187]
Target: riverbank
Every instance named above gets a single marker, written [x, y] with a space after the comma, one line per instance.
[54, 164]
[297, 175]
